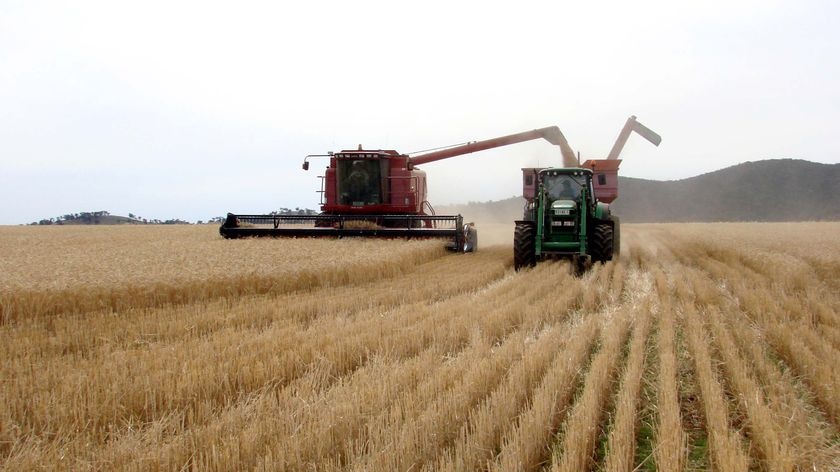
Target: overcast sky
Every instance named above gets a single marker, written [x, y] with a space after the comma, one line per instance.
[189, 110]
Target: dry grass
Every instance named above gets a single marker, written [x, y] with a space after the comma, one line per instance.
[169, 348]
[725, 441]
[621, 445]
[524, 448]
[765, 431]
[582, 427]
[671, 438]
[46, 271]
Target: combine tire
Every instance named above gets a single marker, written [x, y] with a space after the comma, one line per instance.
[524, 250]
[471, 235]
[601, 243]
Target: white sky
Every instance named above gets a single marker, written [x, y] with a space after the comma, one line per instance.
[192, 109]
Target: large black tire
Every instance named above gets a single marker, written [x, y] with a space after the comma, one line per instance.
[524, 246]
[616, 236]
[601, 243]
[471, 236]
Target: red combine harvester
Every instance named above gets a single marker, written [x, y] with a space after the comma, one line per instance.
[382, 193]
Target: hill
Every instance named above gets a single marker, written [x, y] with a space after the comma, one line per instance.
[771, 190]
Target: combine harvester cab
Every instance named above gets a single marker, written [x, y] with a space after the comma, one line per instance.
[381, 193]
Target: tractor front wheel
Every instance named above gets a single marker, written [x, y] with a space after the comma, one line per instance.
[524, 246]
[601, 243]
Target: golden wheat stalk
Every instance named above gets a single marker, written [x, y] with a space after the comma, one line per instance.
[524, 447]
[582, 427]
[725, 443]
[621, 443]
[670, 450]
[772, 443]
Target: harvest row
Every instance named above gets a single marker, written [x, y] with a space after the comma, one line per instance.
[687, 354]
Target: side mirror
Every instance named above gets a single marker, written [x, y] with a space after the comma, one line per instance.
[305, 165]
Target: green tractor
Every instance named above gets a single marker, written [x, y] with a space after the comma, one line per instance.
[567, 211]
[565, 219]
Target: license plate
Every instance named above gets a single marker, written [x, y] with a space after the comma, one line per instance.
[561, 212]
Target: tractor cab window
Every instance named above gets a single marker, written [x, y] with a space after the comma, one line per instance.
[359, 182]
[561, 187]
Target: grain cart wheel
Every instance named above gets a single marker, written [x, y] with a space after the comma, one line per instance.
[601, 243]
[616, 236]
[524, 250]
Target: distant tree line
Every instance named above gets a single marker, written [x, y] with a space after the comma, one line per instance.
[296, 211]
[104, 217]
[86, 217]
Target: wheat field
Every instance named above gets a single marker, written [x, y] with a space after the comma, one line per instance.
[705, 346]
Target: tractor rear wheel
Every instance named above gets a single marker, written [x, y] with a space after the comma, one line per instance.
[601, 243]
[524, 246]
[616, 236]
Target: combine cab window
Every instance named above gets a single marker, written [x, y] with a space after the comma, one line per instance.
[359, 182]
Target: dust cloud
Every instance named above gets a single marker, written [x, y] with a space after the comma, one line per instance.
[494, 234]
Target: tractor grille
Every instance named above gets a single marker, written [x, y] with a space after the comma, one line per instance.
[562, 226]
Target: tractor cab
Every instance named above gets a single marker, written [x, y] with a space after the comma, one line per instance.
[566, 194]
[563, 189]
[564, 184]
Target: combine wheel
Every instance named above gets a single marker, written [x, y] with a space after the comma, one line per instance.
[601, 243]
[524, 246]
[471, 238]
